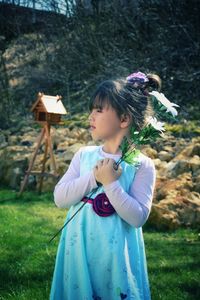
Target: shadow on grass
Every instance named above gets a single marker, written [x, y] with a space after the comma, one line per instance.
[36, 268]
[12, 197]
[176, 268]
[192, 288]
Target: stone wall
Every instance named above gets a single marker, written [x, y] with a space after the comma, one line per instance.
[177, 194]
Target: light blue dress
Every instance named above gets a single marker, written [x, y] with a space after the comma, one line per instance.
[101, 258]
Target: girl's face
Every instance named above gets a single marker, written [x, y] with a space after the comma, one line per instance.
[104, 123]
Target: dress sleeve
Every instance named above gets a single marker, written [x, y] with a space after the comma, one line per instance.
[72, 187]
[134, 207]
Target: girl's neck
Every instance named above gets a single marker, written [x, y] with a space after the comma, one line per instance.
[112, 148]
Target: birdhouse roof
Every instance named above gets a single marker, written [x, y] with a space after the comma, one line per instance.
[52, 104]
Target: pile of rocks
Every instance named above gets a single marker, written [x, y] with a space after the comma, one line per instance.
[177, 194]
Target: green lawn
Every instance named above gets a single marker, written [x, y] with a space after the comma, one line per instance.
[27, 259]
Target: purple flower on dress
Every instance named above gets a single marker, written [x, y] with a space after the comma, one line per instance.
[102, 205]
[137, 77]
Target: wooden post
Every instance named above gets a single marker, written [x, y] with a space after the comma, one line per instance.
[48, 146]
[48, 128]
[32, 161]
[43, 163]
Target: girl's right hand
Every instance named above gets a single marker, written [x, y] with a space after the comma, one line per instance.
[105, 172]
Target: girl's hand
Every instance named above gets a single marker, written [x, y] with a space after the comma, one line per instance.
[104, 171]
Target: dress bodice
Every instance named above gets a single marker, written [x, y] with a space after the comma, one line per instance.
[89, 159]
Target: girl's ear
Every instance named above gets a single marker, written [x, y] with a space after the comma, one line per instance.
[125, 120]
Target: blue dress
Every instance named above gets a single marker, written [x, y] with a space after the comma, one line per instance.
[101, 258]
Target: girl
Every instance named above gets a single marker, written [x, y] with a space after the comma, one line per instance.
[101, 252]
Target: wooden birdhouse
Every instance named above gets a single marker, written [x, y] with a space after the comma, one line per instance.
[48, 109]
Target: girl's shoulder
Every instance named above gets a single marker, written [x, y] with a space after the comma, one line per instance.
[91, 148]
[87, 150]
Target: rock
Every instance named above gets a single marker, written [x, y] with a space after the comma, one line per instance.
[176, 203]
[48, 184]
[194, 163]
[13, 140]
[195, 150]
[92, 143]
[68, 155]
[25, 128]
[152, 153]
[3, 142]
[165, 156]
[15, 177]
[12, 169]
[174, 168]
[62, 147]
[172, 213]
[163, 218]
[168, 148]
[29, 140]
[61, 167]
[177, 167]
[26, 143]
[189, 210]
[197, 184]
[189, 151]
[72, 141]
[59, 135]
[18, 149]
[160, 167]
[170, 187]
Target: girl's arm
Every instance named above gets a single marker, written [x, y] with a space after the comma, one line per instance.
[72, 187]
[134, 207]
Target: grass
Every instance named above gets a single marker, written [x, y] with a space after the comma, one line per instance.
[173, 264]
[27, 259]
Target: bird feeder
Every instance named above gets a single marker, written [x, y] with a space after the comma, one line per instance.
[47, 111]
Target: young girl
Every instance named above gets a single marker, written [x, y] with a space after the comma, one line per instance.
[101, 255]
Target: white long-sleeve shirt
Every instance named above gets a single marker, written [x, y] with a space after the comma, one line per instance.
[133, 207]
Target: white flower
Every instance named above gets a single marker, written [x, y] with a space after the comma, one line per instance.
[169, 105]
[157, 125]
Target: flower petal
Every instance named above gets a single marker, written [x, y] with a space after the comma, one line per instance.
[162, 99]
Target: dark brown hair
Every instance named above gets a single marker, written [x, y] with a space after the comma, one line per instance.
[126, 98]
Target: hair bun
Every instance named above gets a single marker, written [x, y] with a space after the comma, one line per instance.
[144, 82]
[154, 82]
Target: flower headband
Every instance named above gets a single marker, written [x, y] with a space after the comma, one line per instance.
[137, 79]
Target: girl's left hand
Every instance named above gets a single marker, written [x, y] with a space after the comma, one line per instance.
[104, 171]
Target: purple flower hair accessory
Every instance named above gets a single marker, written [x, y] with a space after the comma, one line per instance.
[137, 78]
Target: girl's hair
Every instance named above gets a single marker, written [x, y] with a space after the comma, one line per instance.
[127, 98]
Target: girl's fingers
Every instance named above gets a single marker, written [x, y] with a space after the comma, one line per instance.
[106, 161]
[119, 170]
[99, 164]
[102, 162]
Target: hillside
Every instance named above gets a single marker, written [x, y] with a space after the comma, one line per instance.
[48, 52]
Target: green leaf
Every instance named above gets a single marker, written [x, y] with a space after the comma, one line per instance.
[124, 145]
[131, 158]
